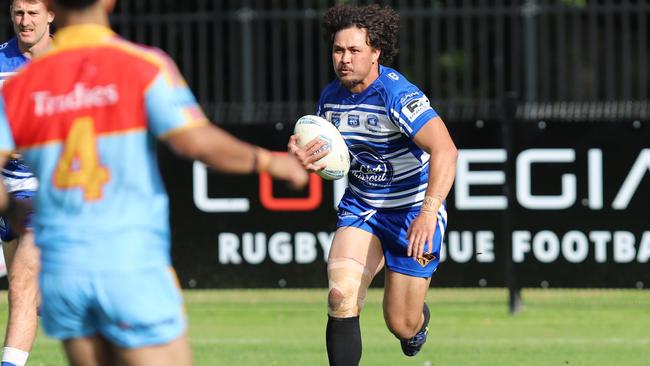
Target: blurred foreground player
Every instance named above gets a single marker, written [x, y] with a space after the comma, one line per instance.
[96, 103]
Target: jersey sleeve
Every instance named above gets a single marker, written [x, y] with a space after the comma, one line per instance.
[171, 106]
[7, 144]
[411, 110]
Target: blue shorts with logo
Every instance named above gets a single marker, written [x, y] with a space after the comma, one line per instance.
[6, 232]
[391, 226]
[130, 309]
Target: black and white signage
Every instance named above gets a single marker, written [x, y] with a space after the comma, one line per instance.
[577, 216]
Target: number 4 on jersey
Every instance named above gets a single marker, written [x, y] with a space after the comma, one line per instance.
[79, 165]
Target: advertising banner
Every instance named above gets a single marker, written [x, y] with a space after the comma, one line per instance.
[577, 217]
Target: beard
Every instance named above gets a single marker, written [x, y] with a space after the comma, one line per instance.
[349, 83]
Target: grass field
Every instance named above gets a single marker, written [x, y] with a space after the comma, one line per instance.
[468, 327]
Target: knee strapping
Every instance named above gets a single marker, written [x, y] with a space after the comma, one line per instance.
[348, 285]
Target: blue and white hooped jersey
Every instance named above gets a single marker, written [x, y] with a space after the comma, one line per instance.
[15, 174]
[11, 59]
[387, 168]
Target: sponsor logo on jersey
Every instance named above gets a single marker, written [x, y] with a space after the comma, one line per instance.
[336, 119]
[81, 97]
[370, 168]
[353, 120]
[372, 123]
[415, 108]
[4, 45]
[393, 76]
[409, 96]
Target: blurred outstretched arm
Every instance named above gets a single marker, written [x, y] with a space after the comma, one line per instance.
[224, 152]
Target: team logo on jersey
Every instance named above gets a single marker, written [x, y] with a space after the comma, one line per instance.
[415, 108]
[353, 120]
[425, 259]
[336, 119]
[372, 123]
[393, 76]
[370, 168]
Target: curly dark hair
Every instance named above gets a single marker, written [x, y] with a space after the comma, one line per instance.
[382, 24]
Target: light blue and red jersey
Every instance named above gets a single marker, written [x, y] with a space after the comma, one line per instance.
[86, 117]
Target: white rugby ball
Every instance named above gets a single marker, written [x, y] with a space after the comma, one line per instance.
[337, 162]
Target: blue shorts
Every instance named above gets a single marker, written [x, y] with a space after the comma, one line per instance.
[6, 232]
[130, 309]
[390, 226]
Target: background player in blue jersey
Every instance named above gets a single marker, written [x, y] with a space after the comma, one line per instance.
[97, 105]
[31, 23]
[402, 168]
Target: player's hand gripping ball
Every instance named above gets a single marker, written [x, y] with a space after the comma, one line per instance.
[337, 162]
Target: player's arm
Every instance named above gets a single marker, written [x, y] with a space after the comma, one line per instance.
[175, 117]
[218, 149]
[433, 138]
[222, 151]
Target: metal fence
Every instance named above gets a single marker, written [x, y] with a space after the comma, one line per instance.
[265, 61]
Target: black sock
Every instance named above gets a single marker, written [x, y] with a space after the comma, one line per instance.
[343, 337]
